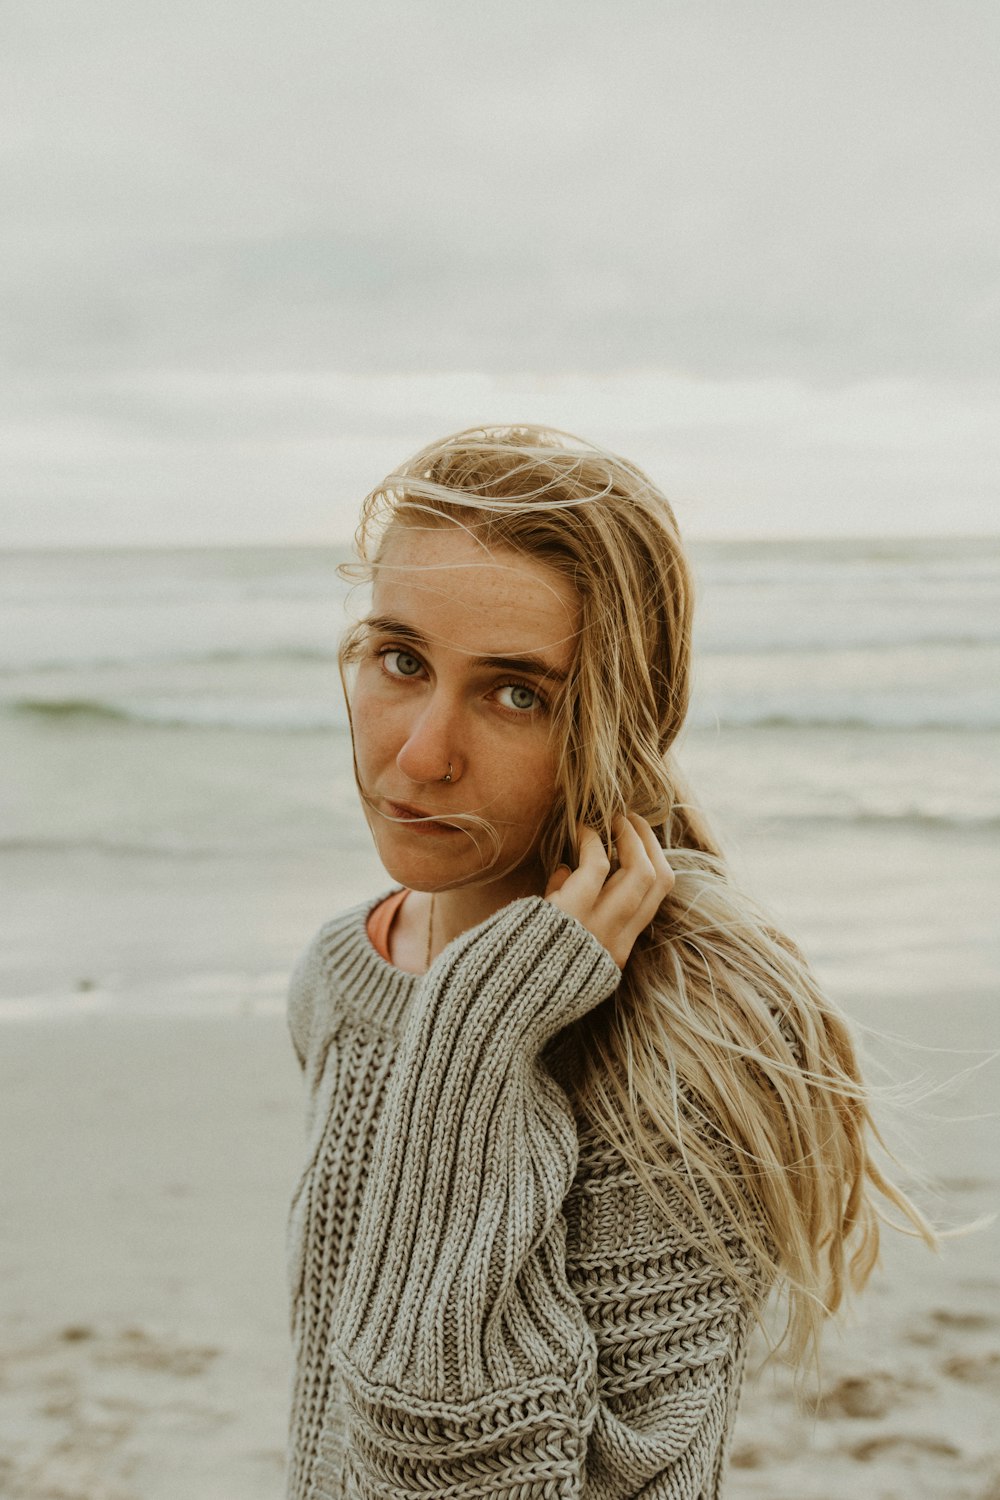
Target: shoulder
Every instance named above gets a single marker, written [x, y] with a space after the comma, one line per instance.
[611, 1207]
[335, 950]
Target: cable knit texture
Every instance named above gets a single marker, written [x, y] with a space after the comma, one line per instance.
[485, 1302]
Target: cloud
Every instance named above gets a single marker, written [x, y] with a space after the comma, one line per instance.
[776, 190]
[229, 229]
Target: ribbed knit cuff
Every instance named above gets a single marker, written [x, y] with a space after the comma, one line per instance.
[529, 970]
[529, 1439]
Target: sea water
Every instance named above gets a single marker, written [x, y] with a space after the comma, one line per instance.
[179, 813]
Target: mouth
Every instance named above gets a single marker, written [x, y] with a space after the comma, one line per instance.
[417, 818]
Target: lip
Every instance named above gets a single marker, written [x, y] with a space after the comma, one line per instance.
[404, 810]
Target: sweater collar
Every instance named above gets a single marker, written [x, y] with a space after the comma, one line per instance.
[368, 982]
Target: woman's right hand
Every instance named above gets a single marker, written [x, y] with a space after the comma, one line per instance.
[615, 904]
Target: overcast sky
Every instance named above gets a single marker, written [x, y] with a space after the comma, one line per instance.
[256, 252]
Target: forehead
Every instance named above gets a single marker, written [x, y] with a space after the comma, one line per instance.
[487, 601]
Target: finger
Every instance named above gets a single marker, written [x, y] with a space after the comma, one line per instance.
[584, 884]
[635, 893]
[633, 850]
[657, 855]
[593, 866]
[635, 871]
[558, 879]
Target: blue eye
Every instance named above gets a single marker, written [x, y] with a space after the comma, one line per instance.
[405, 665]
[522, 697]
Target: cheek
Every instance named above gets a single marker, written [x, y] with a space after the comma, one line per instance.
[531, 787]
[371, 725]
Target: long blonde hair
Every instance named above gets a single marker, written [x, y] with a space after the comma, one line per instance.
[718, 1068]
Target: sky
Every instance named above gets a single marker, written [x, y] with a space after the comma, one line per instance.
[253, 254]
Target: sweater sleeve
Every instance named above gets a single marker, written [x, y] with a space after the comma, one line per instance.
[471, 1365]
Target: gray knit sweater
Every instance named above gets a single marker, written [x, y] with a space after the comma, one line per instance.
[484, 1300]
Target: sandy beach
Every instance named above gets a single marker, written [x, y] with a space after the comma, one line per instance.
[179, 815]
[150, 1161]
[141, 1255]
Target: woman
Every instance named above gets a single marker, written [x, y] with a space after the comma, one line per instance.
[576, 1108]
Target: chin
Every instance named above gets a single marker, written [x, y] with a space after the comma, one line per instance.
[424, 870]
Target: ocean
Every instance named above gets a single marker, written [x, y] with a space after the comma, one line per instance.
[178, 813]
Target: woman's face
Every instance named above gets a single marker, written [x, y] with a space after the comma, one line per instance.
[465, 653]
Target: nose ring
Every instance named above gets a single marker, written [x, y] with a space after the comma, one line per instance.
[448, 777]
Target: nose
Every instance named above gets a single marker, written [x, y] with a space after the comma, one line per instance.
[430, 750]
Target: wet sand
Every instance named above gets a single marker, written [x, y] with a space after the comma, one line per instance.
[148, 1165]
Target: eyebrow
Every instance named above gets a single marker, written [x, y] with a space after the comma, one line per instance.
[528, 666]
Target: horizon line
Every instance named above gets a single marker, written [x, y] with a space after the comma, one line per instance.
[346, 543]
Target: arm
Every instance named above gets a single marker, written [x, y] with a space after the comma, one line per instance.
[475, 1150]
[472, 1366]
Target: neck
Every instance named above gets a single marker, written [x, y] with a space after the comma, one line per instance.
[456, 911]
